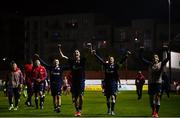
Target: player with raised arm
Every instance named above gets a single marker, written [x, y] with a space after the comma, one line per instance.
[111, 80]
[56, 81]
[155, 79]
[77, 66]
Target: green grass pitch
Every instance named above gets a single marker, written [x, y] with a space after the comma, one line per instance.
[94, 105]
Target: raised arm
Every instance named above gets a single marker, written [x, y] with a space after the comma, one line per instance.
[142, 58]
[168, 56]
[124, 58]
[60, 51]
[98, 57]
[43, 62]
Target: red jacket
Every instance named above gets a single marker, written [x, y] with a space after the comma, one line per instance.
[39, 72]
[140, 80]
[28, 73]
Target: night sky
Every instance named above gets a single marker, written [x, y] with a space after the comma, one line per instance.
[120, 10]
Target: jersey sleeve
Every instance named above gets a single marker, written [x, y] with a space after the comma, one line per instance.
[145, 61]
[166, 60]
[21, 77]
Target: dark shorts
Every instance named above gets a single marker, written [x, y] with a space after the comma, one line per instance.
[65, 87]
[38, 88]
[111, 88]
[77, 89]
[55, 89]
[29, 89]
[139, 87]
[154, 89]
[13, 91]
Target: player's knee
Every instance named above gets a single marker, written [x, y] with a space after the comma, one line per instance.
[108, 100]
[40, 93]
[81, 97]
[113, 99]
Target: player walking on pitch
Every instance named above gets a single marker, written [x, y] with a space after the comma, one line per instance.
[111, 80]
[14, 84]
[155, 80]
[39, 75]
[77, 66]
[56, 81]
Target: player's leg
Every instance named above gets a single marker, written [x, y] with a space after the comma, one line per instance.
[162, 91]
[16, 98]
[137, 91]
[76, 91]
[41, 94]
[65, 90]
[157, 104]
[113, 101]
[58, 103]
[152, 104]
[10, 98]
[80, 102]
[157, 98]
[108, 103]
[167, 91]
[44, 89]
[54, 101]
[36, 99]
[151, 93]
[68, 90]
[24, 91]
[81, 96]
[29, 98]
[140, 91]
[54, 95]
[36, 95]
[76, 104]
[57, 91]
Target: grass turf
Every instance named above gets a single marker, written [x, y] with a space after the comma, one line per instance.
[94, 105]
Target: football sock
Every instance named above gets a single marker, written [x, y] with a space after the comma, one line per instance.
[36, 102]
